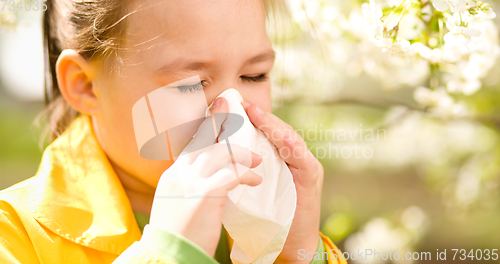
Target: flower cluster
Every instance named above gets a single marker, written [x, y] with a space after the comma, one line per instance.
[457, 38]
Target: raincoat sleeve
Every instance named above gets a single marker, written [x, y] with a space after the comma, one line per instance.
[160, 246]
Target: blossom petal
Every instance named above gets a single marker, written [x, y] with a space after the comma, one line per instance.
[469, 32]
[458, 7]
[440, 5]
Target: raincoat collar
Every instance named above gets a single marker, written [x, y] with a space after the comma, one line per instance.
[78, 195]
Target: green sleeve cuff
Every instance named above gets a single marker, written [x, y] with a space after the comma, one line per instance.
[160, 246]
[322, 253]
[173, 246]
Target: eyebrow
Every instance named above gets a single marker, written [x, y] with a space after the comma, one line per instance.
[267, 55]
[182, 63]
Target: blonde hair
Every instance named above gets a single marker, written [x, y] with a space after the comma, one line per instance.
[93, 28]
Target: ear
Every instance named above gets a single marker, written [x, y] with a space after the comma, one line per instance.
[74, 77]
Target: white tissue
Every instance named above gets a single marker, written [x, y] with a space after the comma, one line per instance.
[258, 219]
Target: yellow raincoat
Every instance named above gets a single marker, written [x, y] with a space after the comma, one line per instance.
[75, 210]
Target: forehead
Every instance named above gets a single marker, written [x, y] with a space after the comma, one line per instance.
[196, 27]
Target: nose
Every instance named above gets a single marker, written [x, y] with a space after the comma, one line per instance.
[216, 88]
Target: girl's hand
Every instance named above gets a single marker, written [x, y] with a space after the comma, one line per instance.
[308, 178]
[209, 172]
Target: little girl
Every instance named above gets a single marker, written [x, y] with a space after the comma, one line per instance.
[94, 194]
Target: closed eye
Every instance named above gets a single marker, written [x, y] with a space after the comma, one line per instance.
[190, 88]
[259, 78]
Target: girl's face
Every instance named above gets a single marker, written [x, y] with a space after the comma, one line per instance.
[224, 42]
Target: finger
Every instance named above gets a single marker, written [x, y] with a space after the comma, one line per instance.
[219, 155]
[274, 129]
[245, 105]
[220, 183]
[250, 178]
[220, 105]
[291, 146]
[208, 130]
[297, 154]
[202, 176]
[225, 180]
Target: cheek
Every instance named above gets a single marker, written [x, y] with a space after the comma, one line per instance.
[115, 132]
[117, 97]
[172, 110]
[116, 115]
[260, 96]
[115, 128]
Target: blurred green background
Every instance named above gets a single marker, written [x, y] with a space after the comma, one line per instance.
[429, 183]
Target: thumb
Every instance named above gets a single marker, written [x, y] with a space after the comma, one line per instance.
[207, 133]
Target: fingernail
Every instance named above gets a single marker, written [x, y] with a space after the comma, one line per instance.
[216, 103]
[256, 155]
[245, 104]
[258, 110]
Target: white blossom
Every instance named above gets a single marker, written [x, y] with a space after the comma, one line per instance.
[439, 102]
[410, 27]
[467, 86]
[466, 77]
[432, 55]
[373, 13]
[426, 13]
[461, 35]
[459, 42]
[398, 48]
[454, 5]
[462, 51]
[457, 19]
[427, 97]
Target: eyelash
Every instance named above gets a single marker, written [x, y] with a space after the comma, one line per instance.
[259, 78]
[197, 86]
[190, 88]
